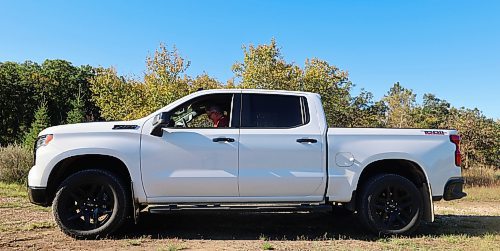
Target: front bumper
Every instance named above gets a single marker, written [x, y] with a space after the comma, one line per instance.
[454, 189]
[38, 196]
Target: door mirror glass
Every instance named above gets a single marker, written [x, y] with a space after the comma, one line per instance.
[160, 121]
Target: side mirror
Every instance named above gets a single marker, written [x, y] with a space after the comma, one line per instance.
[160, 121]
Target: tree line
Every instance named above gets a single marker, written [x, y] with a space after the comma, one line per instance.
[34, 96]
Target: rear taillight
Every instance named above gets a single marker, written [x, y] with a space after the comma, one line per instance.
[458, 157]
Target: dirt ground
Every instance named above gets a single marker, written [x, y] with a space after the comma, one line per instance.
[459, 225]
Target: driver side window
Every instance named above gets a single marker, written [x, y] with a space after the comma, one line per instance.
[208, 111]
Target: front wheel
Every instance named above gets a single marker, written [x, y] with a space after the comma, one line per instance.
[390, 204]
[90, 204]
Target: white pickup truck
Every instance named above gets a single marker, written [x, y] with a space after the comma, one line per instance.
[276, 153]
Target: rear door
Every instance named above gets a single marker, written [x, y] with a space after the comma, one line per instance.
[280, 151]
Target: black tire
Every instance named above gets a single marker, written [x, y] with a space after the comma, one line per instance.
[90, 204]
[390, 204]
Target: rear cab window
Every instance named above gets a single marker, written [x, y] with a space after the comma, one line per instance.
[273, 111]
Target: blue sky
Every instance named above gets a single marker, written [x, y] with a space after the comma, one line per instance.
[449, 48]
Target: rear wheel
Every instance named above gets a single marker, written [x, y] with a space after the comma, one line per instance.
[90, 203]
[390, 204]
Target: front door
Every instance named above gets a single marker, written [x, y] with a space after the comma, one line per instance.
[192, 158]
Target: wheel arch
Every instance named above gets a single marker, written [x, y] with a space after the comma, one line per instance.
[403, 167]
[70, 165]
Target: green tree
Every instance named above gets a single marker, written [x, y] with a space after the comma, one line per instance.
[480, 137]
[364, 112]
[17, 99]
[333, 86]
[42, 121]
[59, 83]
[400, 103]
[24, 85]
[163, 78]
[9, 84]
[263, 67]
[117, 97]
[494, 152]
[433, 113]
[205, 82]
[121, 98]
[77, 113]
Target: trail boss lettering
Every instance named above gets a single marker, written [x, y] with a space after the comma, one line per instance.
[434, 133]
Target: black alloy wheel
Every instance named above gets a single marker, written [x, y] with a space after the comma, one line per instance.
[90, 203]
[391, 204]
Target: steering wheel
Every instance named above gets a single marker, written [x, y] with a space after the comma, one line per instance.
[184, 123]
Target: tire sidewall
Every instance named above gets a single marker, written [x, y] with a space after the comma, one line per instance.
[372, 187]
[99, 177]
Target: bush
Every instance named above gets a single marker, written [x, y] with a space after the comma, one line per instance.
[15, 163]
[482, 176]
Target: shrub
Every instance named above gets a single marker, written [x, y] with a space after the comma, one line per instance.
[15, 163]
[481, 175]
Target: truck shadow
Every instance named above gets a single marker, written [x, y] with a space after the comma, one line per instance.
[289, 226]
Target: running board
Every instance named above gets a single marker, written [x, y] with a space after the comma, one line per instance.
[157, 209]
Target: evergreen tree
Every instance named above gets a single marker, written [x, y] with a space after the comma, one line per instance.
[41, 122]
[77, 113]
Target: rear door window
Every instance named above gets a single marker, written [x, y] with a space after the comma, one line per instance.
[273, 111]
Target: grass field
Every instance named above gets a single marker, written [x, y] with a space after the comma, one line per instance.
[472, 223]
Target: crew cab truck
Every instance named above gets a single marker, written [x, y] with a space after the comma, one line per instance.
[276, 153]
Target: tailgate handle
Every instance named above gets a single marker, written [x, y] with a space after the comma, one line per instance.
[307, 140]
[222, 139]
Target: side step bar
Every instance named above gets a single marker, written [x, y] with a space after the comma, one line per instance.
[162, 209]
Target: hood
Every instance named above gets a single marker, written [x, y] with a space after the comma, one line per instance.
[94, 127]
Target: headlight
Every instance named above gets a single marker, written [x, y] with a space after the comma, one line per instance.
[43, 141]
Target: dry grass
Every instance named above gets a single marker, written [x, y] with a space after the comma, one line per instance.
[481, 175]
[482, 194]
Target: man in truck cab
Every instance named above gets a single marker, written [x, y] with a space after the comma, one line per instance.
[217, 116]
